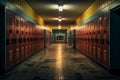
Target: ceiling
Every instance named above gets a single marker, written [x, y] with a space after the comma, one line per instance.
[48, 10]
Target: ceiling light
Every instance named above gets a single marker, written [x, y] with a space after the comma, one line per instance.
[60, 8]
[59, 19]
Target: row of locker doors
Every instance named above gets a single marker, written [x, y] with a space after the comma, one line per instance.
[93, 39]
[23, 39]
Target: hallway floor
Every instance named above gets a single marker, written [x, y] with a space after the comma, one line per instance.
[59, 62]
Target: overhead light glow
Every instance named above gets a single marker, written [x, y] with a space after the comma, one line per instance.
[60, 8]
[59, 19]
[59, 27]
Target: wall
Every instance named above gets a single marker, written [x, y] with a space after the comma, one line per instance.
[22, 5]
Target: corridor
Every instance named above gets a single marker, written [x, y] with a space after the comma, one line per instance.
[59, 62]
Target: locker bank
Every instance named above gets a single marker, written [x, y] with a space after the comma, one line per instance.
[59, 40]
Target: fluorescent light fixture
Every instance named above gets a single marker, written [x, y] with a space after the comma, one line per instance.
[59, 27]
[60, 8]
[59, 19]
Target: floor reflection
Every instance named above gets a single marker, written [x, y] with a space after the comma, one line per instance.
[59, 63]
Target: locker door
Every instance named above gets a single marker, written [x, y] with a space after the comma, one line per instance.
[105, 40]
[98, 52]
[30, 35]
[22, 44]
[10, 40]
[25, 38]
[17, 39]
[94, 43]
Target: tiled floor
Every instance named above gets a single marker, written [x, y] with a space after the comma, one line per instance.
[59, 62]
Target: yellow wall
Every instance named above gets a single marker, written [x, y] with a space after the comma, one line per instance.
[95, 7]
[21, 4]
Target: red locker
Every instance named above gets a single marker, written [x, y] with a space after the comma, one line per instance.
[87, 47]
[86, 39]
[17, 39]
[36, 42]
[22, 35]
[10, 40]
[105, 39]
[40, 45]
[83, 47]
[33, 39]
[94, 38]
[29, 39]
[47, 38]
[25, 38]
[90, 41]
[32, 48]
[99, 49]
